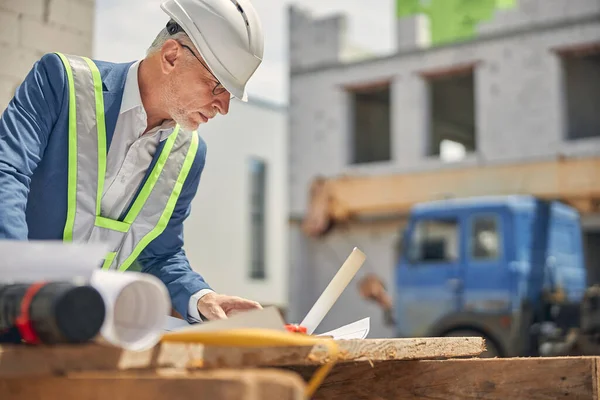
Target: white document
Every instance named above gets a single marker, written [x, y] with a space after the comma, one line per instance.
[137, 306]
[30, 261]
[267, 318]
[173, 324]
[356, 330]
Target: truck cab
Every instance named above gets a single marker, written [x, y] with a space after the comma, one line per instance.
[490, 266]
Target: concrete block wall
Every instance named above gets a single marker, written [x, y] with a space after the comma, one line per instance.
[412, 33]
[31, 28]
[314, 42]
[535, 13]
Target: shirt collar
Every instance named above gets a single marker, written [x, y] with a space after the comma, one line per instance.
[132, 99]
[131, 94]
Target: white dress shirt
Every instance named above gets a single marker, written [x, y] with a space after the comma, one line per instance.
[130, 154]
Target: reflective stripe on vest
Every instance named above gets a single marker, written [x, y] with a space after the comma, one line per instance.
[151, 210]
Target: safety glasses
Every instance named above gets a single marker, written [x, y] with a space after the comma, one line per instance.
[218, 89]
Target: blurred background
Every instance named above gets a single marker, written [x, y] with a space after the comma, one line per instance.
[455, 142]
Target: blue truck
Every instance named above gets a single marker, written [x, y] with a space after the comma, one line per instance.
[510, 269]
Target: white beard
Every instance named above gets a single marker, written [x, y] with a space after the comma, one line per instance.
[177, 114]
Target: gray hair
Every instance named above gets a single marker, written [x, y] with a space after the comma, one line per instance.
[163, 36]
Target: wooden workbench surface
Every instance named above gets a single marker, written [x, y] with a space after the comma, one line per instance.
[470, 379]
[158, 385]
[369, 369]
[29, 360]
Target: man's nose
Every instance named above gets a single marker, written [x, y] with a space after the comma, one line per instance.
[222, 103]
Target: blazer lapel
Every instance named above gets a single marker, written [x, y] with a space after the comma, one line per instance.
[113, 80]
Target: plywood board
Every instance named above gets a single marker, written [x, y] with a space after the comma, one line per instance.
[351, 350]
[215, 385]
[481, 379]
[29, 360]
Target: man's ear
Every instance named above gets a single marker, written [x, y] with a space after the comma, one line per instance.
[169, 55]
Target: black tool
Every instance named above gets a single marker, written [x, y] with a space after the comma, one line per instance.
[50, 313]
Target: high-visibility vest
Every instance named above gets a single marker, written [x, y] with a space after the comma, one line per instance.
[151, 210]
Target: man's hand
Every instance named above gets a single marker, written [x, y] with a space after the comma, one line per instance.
[219, 306]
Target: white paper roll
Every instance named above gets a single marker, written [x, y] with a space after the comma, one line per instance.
[335, 288]
[137, 306]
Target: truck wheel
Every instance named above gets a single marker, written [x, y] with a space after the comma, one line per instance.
[491, 348]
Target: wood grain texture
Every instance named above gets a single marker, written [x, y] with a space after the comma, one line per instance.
[482, 379]
[28, 360]
[350, 350]
[57, 360]
[215, 385]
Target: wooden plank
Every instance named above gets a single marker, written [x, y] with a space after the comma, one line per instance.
[350, 350]
[482, 379]
[585, 205]
[49, 360]
[217, 385]
[28, 360]
[568, 179]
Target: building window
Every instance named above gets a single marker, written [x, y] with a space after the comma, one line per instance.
[258, 183]
[452, 129]
[435, 241]
[370, 121]
[485, 238]
[581, 88]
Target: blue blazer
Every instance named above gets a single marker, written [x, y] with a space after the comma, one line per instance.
[33, 172]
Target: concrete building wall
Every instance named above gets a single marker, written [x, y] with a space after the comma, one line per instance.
[519, 114]
[31, 28]
[303, 274]
[218, 233]
[321, 42]
[530, 14]
[519, 106]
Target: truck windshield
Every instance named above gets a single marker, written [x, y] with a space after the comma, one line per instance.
[434, 240]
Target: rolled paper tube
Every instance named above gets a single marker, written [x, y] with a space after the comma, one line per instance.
[137, 306]
[333, 291]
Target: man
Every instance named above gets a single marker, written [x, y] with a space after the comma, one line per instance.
[94, 151]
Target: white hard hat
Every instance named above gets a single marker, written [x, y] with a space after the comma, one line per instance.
[227, 34]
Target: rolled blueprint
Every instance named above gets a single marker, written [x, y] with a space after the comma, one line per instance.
[137, 306]
[335, 288]
[49, 260]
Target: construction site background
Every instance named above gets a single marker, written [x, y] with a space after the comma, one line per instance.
[491, 84]
[470, 85]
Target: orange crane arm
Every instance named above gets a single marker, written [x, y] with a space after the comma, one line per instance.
[573, 181]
